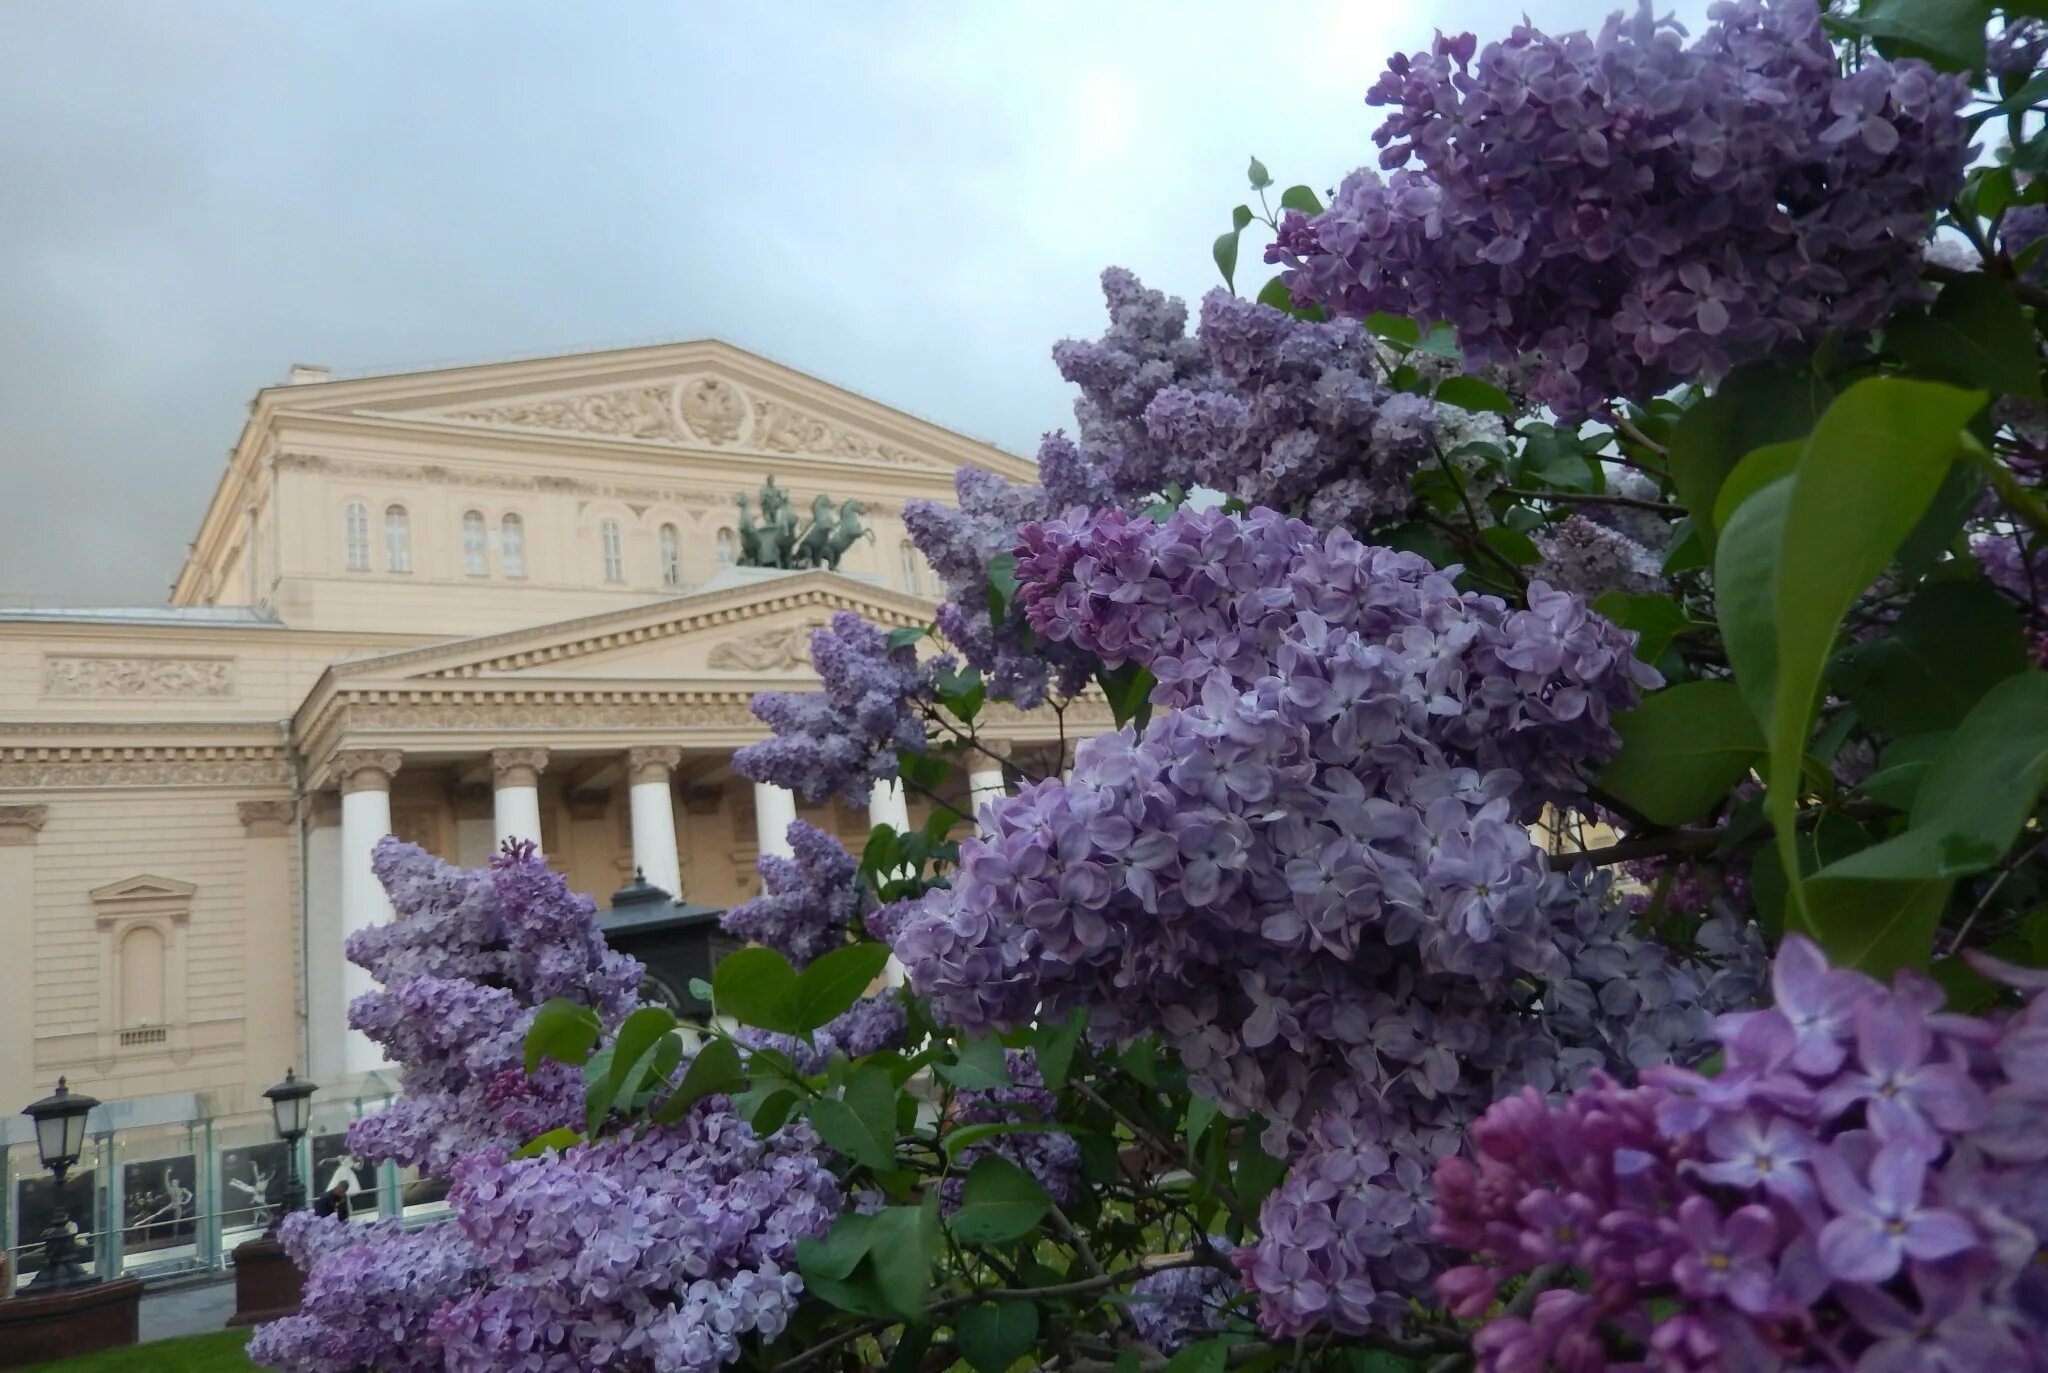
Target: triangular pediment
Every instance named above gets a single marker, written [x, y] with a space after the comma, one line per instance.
[754, 632]
[702, 395]
[143, 887]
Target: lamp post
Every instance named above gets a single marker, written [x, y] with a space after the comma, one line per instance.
[60, 1139]
[291, 1106]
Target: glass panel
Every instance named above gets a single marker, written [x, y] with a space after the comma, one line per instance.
[512, 545]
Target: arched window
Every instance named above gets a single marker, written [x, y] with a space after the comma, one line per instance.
[614, 552]
[142, 978]
[355, 536]
[397, 539]
[911, 581]
[476, 544]
[728, 548]
[671, 557]
[512, 546]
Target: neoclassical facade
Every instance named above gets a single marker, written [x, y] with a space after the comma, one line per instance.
[459, 606]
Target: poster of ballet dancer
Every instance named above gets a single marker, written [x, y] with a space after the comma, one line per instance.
[252, 1183]
[159, 1203]
[332, 1163]
[35, 1203]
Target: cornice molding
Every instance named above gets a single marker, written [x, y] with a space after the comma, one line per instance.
[29, 768]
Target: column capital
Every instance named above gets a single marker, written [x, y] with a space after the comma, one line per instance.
[367, 769]
[652, 762]
[518, 767]
[19, 825]
[265, 819]
[1000, 748]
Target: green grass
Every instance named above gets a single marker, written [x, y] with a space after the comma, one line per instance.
[220, 1352]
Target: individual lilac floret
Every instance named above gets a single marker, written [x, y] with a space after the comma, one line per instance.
[1632, 211]
[1862, 1176]
[1178, 1306]
[808, 902]
[842, 740]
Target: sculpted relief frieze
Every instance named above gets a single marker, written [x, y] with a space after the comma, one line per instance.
[143, 767]
[782, 648]
[780, 428]
[714, 409]
[131, 677]
[634, 412]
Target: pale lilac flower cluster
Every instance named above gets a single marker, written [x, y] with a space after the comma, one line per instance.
[470, 955]
[1591, 559]
[660, 1250]
[1050, 1156]
[961, 542]
[1209, 596]
[844, 739]
[1632, 211]
[370, 1295]
[869, 1026]
[808, 901]
[2015, 51]
[1257, 405]
[1866, 1176]
[1178, 1306]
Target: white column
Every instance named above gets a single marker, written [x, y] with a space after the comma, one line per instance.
[326, 1001]
[365, 818]
[653, 806]
[774, 809]
[888, 806]
[515, 777]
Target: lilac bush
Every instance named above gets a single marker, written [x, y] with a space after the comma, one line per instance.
[841, 741]
[1633, 211]
[1864, 1175]
[808, 901]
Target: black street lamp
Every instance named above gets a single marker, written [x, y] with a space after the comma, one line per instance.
[60, 1139]
[291, 1106]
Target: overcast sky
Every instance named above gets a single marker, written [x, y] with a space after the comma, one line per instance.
[912, 200]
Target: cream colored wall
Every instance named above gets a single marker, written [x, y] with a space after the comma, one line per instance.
[240, 1026]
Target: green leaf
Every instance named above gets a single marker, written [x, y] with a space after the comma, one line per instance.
[832, 983]
[1760, 468]
[1398, 329]
[1682, 750]
[899, 1249]
[1656, 619]
[650, 1071]
[1201, 1115]
[1518, 548]
[1258, 1172]
[638, 1034]
[716, 1068]
[1755, 406]
[597, 1088]
[996, 1334]
[981, 1066]
[1224, 250]
[1470, 393]
[1947, 33]
[1129, 689]
[1875, 927]
[1745, 594]
[1975, 795]
[1240, 217]
[1209, 1356]
[840, 1126]
[757, 987]
[968, 1135]
[1936, 533]
[906, 635]
[1258, 176]
[1002, 576]
[1301, 198]
[1901, 768]
[558, 1139]
[562, 1031]
[1054, 1045]
[1953, 642]
[1870, 468]
[767, 1106]
[1975, 334]
[1000, 1202]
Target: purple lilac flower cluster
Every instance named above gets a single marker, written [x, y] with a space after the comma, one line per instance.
[661, 1250]
[1634, 212]
[869, 1026]
[472, 952]
[1589, 558]
[808, 902]
[843, 740]
[1050, 1156]
[1209, 597]
[1178, 1306]
[370, 1295]
[1258, 405]
[1866, 1176]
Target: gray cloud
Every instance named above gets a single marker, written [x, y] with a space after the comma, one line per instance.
[909, 199]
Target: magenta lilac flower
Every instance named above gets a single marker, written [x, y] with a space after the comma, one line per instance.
[1632, 211]
[1856, 1179]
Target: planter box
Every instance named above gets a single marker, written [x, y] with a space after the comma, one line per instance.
[267, 1283]
[38, 1327]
